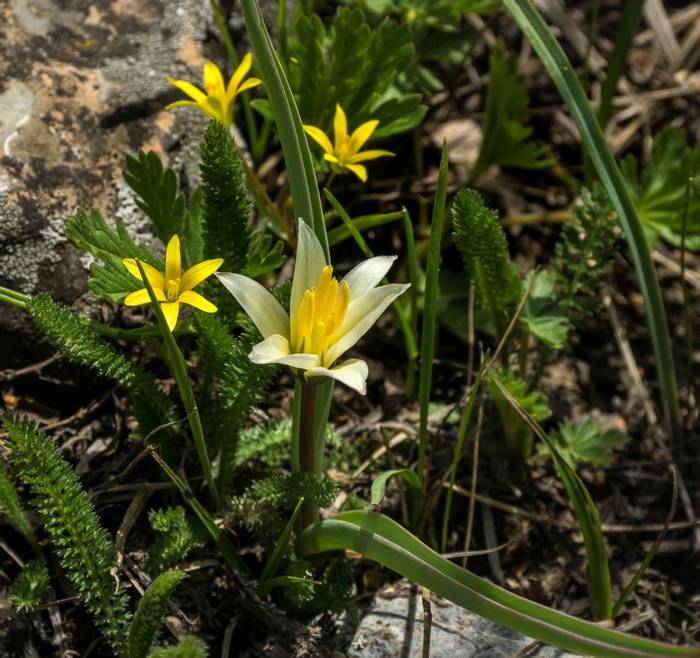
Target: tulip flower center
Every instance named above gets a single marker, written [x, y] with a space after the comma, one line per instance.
[320, 315]
[172, 289]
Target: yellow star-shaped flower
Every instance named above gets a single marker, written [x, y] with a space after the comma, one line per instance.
[344, 153]
[173, 288]
[219, 98]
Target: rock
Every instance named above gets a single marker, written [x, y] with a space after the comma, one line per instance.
[385, 631]
[81, 85]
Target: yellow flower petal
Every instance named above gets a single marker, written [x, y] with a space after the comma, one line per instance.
[141, 297]
[320, 138]
[195, 299]
[213, 80]
[170, 106]
[155, 278]
[329, 157]
[340, 126]
[359, 170]
[187, 87]
[239, 74]
[372, 154]
[173, 263]
[248, 84]
[197, 273]
[170, 311]
[361, 134]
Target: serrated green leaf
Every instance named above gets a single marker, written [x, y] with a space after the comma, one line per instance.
[29, 588]
[157, 193]
[586, 442]
[265, 254]
[542, 315]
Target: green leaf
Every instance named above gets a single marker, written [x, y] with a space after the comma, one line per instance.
[506, 140]
[193, 242]
[12, 507]
[542, 315]
[178, 535]
[156, 193]
[29, 588]
[110, 280]
[379, 538]
[188, 647]
[265, 254]
[586, 442]
[406, 474]
[275, 559]
[659, 192]
[482, 243]
[149, 614]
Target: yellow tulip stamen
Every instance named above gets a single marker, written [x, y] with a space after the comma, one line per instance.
[320, 314]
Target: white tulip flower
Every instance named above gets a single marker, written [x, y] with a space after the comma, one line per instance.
[327, 317]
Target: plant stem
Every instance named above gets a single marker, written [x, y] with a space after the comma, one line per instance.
[307, 449]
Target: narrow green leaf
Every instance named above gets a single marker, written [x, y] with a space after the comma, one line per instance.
[273, 562]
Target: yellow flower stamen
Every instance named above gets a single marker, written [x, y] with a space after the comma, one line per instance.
[173, 288]
[344, 152]
[320, 314]
[219, 98]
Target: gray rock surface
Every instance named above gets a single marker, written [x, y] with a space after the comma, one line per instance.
[393, 628]
[81, 85]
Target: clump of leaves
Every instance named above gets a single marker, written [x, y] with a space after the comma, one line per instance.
[586, 443]
[178, 535]
[29, 588]
[188, 647]
[506, 140]
[543, 315]
[357, 66]
[330, 591]
[659, 192]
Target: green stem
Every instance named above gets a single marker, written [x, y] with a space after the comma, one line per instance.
[412, 259]
[307, 449]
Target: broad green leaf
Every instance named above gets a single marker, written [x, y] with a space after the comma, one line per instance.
[542, 315]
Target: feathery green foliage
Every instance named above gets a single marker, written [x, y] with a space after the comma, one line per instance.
[506, 140]
[225, 204]
[332, 591]
[266, 444]
[482, 243]
[354, 65]
[81, 544]
[149, 614]
[29, 588]
[188, 647]
[157, 193]
[72, 336]
[110, 280]
[11, 505]
[584, 253]
[178, 535]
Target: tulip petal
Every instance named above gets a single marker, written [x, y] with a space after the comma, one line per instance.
[275, 349]
[340, 126]
[170, 311]
[239, 74]
[359, 170]
[362, 313]
[155, 278]
[195, 299]
[142, 297]
[310, 260]
[361, 134]
[173, 262]
[197, 273]
[367, 275]
[188, 88]
[319, 137]
[372, 154]
[262, 308]
[352, 373]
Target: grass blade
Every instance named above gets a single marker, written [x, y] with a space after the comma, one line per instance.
[564, 77]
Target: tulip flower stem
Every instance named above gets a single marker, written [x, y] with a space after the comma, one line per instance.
[307, 449]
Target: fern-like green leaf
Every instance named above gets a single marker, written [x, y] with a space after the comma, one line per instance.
[80, 344]
[506, 140]
[225, 204]
[109, 280]
[587, 442]
[482, 243]
[177, 537]
[157, 193]
[30, 587]
[81, 544]
[11, 506]
[189, 647]
[149, 614]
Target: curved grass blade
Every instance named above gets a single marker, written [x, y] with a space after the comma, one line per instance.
[564, 77]
[273, 562]
[379, 538]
